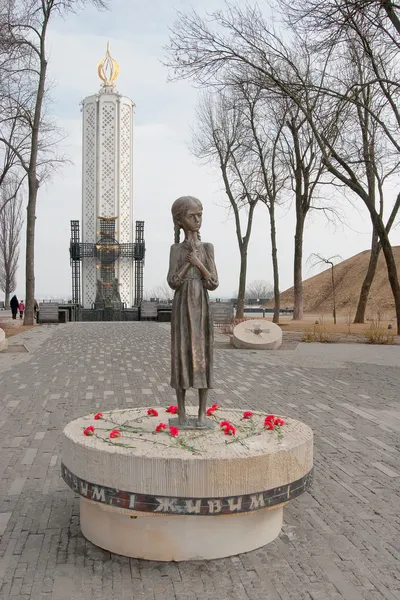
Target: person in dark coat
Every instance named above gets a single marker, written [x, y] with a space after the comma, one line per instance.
[14, 304]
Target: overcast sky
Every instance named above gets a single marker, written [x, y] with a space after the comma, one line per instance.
[164, 167]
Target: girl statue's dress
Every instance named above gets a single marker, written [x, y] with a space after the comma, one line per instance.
[192, 332]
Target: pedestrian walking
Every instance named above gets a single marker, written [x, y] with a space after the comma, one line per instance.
[21, 309]
[35, 309]
[14, 304]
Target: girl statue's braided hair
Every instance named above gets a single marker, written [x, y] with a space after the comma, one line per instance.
[178, 209]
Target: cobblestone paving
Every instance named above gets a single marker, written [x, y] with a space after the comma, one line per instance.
[340, 541]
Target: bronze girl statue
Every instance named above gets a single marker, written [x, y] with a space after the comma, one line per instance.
[191, 273]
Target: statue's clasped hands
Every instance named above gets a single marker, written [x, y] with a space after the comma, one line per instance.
[193, 259]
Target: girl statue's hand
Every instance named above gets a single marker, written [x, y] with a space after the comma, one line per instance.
[193, 259]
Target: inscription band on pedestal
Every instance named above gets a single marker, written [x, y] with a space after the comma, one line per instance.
[185, 506]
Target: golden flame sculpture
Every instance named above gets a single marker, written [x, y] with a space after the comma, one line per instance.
[108, 68]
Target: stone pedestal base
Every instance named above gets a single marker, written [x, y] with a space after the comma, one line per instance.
[3, 341]
[178, 537]
[150, 494]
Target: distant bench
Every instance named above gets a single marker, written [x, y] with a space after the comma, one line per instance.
[148, 311]
[222, 312]
[48, 313]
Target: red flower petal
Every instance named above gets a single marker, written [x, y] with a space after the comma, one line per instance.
[152, 412]
[269, 425]
[98, 416]
[115, 433]
[230, 430]
[247, 414]
[224, 424]
[161, 426]
[174, 431]
[89, 430]
[270, 417]
[172, 409]
[279, 422]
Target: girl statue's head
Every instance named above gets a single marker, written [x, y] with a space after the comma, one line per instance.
[179, 210]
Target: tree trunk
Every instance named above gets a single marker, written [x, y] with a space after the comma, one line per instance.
[242, 282]
[30, 252]
[390, 261]
[298, 269]
[369, 277]
[243, 246]
[33, 185]
[7, 298]
[393, 277]
[334, 295]
[277, 299]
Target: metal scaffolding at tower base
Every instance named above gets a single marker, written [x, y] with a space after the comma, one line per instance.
[106, 251]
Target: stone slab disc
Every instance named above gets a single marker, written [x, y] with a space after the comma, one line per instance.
[153, 463]
[257, 334]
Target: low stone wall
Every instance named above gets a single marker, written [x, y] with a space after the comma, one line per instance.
[3, 340]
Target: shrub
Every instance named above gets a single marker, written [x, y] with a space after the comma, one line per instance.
[376, 333]
[318, 333]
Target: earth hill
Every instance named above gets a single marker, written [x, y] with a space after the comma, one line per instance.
[349, 275]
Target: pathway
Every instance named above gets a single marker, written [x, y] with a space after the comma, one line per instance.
[341, 541]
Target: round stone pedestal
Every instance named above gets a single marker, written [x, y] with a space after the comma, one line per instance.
[257, 334]
[3, 340]
[199, 495]
[177, 537]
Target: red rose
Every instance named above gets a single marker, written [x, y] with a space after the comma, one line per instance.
[247, 414]
[89, 430]
[152, 412]
[227, 428]
[115, 433]
[210, 411]
[279, 422]
[230, 429]
[174, 431]
[98, 416]
[161, 426]
[172, 409]
[269, 425]
[269, 417]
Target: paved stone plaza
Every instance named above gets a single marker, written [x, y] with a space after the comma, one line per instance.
[340, 541]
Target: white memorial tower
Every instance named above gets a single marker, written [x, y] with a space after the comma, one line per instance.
[107, 190]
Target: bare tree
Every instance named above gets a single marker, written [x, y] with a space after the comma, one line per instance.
[317, 259]
[220, 138]
[23, 31]
[259, 290]
[370, 36]
[307, 168]
[10, 230]
[9, 167]
[378, 163]
[264, 121]
[162, 292]
[242, 37]
[285, 147]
